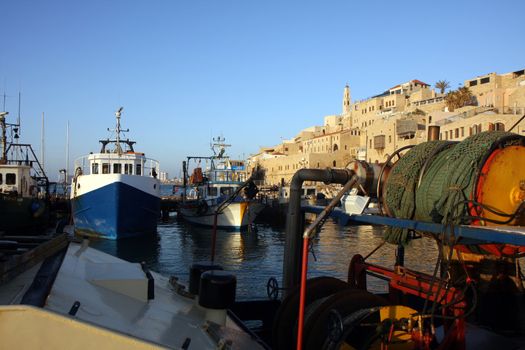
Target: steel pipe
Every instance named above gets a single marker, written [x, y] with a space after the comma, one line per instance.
[294, 220]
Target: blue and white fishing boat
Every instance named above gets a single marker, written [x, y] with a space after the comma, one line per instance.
[115, 193]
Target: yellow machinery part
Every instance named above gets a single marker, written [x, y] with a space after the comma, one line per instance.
[401, 338]
[501, 184]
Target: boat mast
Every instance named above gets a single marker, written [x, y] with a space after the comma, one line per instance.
[18, 118]
[67, 152]
[118, 130]
[218, 144]
[3, 159]
[42, 145]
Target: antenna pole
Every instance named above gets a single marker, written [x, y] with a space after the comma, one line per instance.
[19, 104]
[117, 130]
[3, 155]
[67, 151]
[42, 144]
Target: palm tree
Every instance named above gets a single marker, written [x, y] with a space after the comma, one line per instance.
[458, 98]
[442, 85]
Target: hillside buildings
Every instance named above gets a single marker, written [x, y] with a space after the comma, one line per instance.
[374, 128]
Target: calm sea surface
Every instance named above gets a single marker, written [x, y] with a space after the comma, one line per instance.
[256, 256]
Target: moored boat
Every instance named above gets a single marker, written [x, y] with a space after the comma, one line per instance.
[225, 197]
[115, 193]
[24, 201]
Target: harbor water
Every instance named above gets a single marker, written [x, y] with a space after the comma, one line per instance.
[255, 256]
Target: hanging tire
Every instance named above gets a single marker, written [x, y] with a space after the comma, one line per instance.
[283, 335]
[316, 333]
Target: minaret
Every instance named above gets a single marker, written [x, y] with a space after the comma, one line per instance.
[346, 100]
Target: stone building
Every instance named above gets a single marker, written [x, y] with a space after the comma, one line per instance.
[374, 128]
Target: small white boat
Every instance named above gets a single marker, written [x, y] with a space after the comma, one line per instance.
[115, 193]
[224, 197]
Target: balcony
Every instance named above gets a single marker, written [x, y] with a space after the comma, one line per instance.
[408, 128]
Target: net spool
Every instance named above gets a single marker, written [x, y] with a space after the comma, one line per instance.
[399, 193]
[479, 181]
[367, 173]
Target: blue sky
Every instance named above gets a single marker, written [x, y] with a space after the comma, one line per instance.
[253, 71]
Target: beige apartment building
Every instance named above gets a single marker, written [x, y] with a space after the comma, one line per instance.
[374, 128]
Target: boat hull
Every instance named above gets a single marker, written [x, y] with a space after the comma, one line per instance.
[234, 216]
[20, 214]
[114, 211]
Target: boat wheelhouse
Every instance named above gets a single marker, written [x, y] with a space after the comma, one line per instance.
[116, 193]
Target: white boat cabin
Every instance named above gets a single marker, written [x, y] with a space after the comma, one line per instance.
[17, 180]
[127, 163]
[220, 182]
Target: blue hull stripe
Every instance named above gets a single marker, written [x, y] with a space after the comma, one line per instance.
[116, 211]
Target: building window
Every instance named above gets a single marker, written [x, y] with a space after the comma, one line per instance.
[389, 138]
[499, 127]
[475, 129]
[334, 163]
[370, 143]
[105, 168]
[1, 177]
[10, 179]
[484, 80]
[462, 131]
[456, 132]
[473, 83]
[94, 168]
[138, 169]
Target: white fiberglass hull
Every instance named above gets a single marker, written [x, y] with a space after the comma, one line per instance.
[235, 215]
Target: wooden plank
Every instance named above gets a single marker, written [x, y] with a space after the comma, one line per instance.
[16, 264]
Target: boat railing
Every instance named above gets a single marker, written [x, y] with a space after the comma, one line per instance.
[148, 167]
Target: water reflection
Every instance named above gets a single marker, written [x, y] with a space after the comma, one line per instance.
[256, 256]
[137, 249]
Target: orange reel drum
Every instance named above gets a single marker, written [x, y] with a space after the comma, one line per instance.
[501, 186]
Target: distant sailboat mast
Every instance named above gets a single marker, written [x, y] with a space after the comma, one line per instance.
[67, 152]
[42, 143]
[18, 118]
